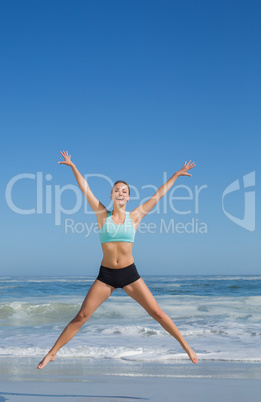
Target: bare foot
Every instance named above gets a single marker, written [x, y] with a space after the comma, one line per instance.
[48, 358]
[192, 355]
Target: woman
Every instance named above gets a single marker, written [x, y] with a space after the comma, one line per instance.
[117, 232]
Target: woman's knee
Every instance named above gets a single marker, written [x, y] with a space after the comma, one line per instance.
[157, 313]
[81, 317]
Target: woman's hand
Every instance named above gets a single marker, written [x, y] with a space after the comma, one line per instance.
[67, 158]
[186, 167]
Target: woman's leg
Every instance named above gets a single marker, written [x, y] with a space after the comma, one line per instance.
[97, 294]
[139, 291]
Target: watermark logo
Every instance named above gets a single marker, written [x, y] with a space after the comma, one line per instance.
[194, 226]
[50, 198]
[248, 221]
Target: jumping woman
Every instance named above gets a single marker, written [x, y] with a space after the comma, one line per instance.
[117, 230]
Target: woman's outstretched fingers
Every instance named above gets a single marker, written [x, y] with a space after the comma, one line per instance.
[67, 158]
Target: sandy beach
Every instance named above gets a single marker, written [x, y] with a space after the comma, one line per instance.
[82, 380]
[116, 388]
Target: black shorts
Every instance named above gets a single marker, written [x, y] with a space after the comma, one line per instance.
[118, 277]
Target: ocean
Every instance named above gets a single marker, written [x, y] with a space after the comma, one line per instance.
[219, 316]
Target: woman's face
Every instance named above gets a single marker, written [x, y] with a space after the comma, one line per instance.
[120, 194]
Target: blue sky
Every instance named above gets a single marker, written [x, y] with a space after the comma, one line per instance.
[131, 89]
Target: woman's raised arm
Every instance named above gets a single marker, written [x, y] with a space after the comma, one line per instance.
[95, 204]
[144, 209]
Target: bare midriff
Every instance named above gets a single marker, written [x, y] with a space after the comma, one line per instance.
[117, 254]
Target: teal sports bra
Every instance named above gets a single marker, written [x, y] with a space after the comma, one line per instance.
[112, 232]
